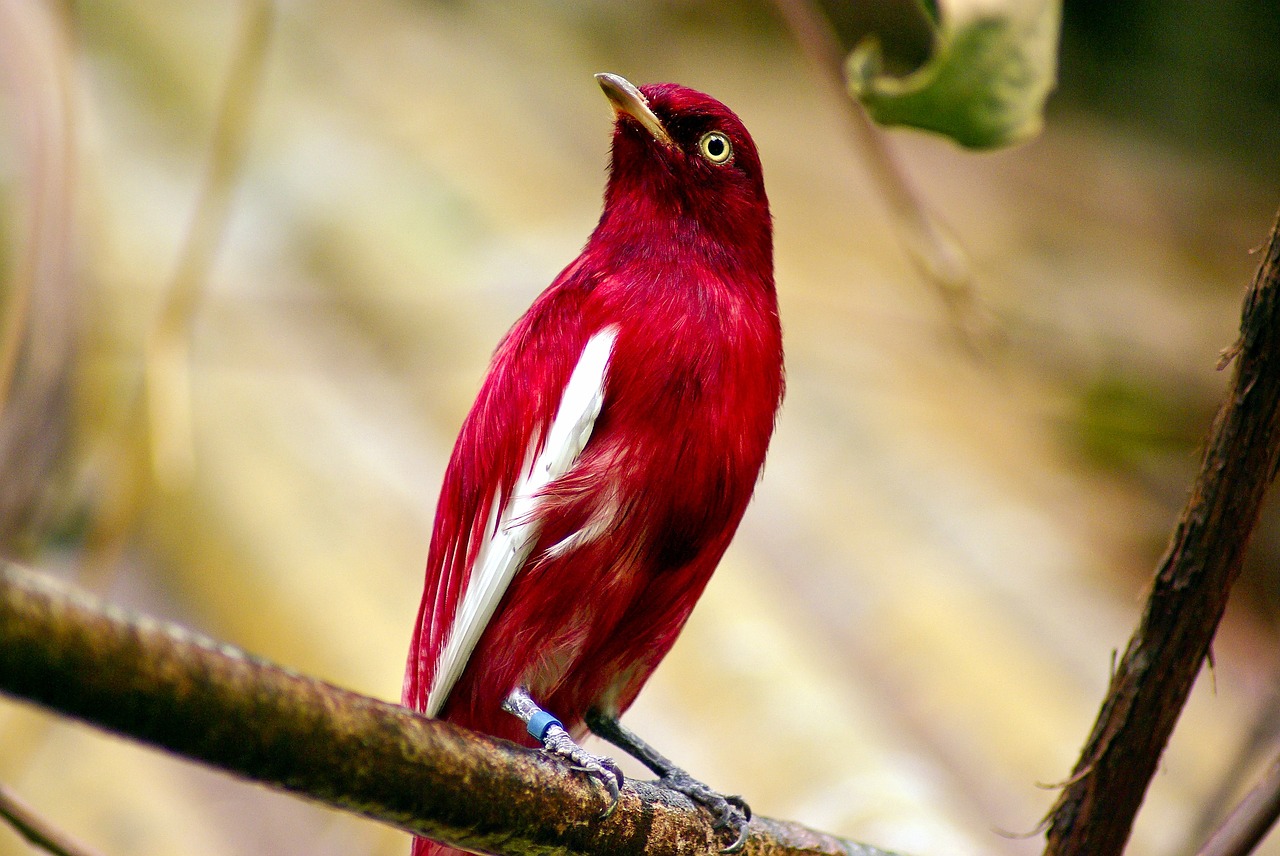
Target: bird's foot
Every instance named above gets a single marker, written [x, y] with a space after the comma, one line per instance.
[556, 741]
[549, 731]
[730, 811]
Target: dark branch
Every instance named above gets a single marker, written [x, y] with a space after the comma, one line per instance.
[207, 701]
[1095, 812]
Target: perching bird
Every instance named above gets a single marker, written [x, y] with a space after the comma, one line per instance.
[611, 452]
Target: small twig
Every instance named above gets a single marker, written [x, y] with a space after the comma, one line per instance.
[36, 829]
[168, 382]
[1260, 737]
[1095, 812]
[209, 702]
[930, 246]
[153, 445]
[1251, 820]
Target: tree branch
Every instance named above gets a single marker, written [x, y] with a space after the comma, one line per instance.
[1095, 812]
[207, 701]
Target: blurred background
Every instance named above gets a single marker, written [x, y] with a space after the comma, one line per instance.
[254, 258]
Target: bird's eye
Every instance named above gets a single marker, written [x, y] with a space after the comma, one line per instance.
[715, 147]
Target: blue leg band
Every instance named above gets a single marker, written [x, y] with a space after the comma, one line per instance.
[540, 723]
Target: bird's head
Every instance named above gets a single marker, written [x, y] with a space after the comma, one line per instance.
[682, 157]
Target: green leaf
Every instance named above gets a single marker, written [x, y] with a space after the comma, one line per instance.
[993, 66]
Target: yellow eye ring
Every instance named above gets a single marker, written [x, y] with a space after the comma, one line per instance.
[715, 147]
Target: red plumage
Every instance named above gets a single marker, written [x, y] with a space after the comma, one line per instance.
[681, 264]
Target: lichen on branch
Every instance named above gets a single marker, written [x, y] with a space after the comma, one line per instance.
[207, 701]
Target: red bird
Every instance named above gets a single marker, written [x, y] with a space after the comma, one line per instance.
[611, 452]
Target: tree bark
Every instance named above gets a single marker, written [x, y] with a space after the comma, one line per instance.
[207, 701]
[1094, 814]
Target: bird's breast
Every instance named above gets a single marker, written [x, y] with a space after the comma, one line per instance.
[690, 402]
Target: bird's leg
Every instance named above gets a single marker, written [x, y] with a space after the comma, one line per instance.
[731, 812]
[556, 740]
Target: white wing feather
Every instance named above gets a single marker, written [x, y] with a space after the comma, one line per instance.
[502, 556]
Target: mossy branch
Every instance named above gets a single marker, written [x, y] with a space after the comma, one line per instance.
[209, 702]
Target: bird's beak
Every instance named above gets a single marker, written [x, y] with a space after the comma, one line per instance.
[626, 99]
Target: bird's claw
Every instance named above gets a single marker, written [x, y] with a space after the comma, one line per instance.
[558, 742]
[730, 812]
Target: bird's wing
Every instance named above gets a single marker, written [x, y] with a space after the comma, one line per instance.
[512, 527]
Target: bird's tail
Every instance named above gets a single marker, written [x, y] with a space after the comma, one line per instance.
[426, 847]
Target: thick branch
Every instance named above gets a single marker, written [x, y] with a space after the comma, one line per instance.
[207, 701]
[1095, 813]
